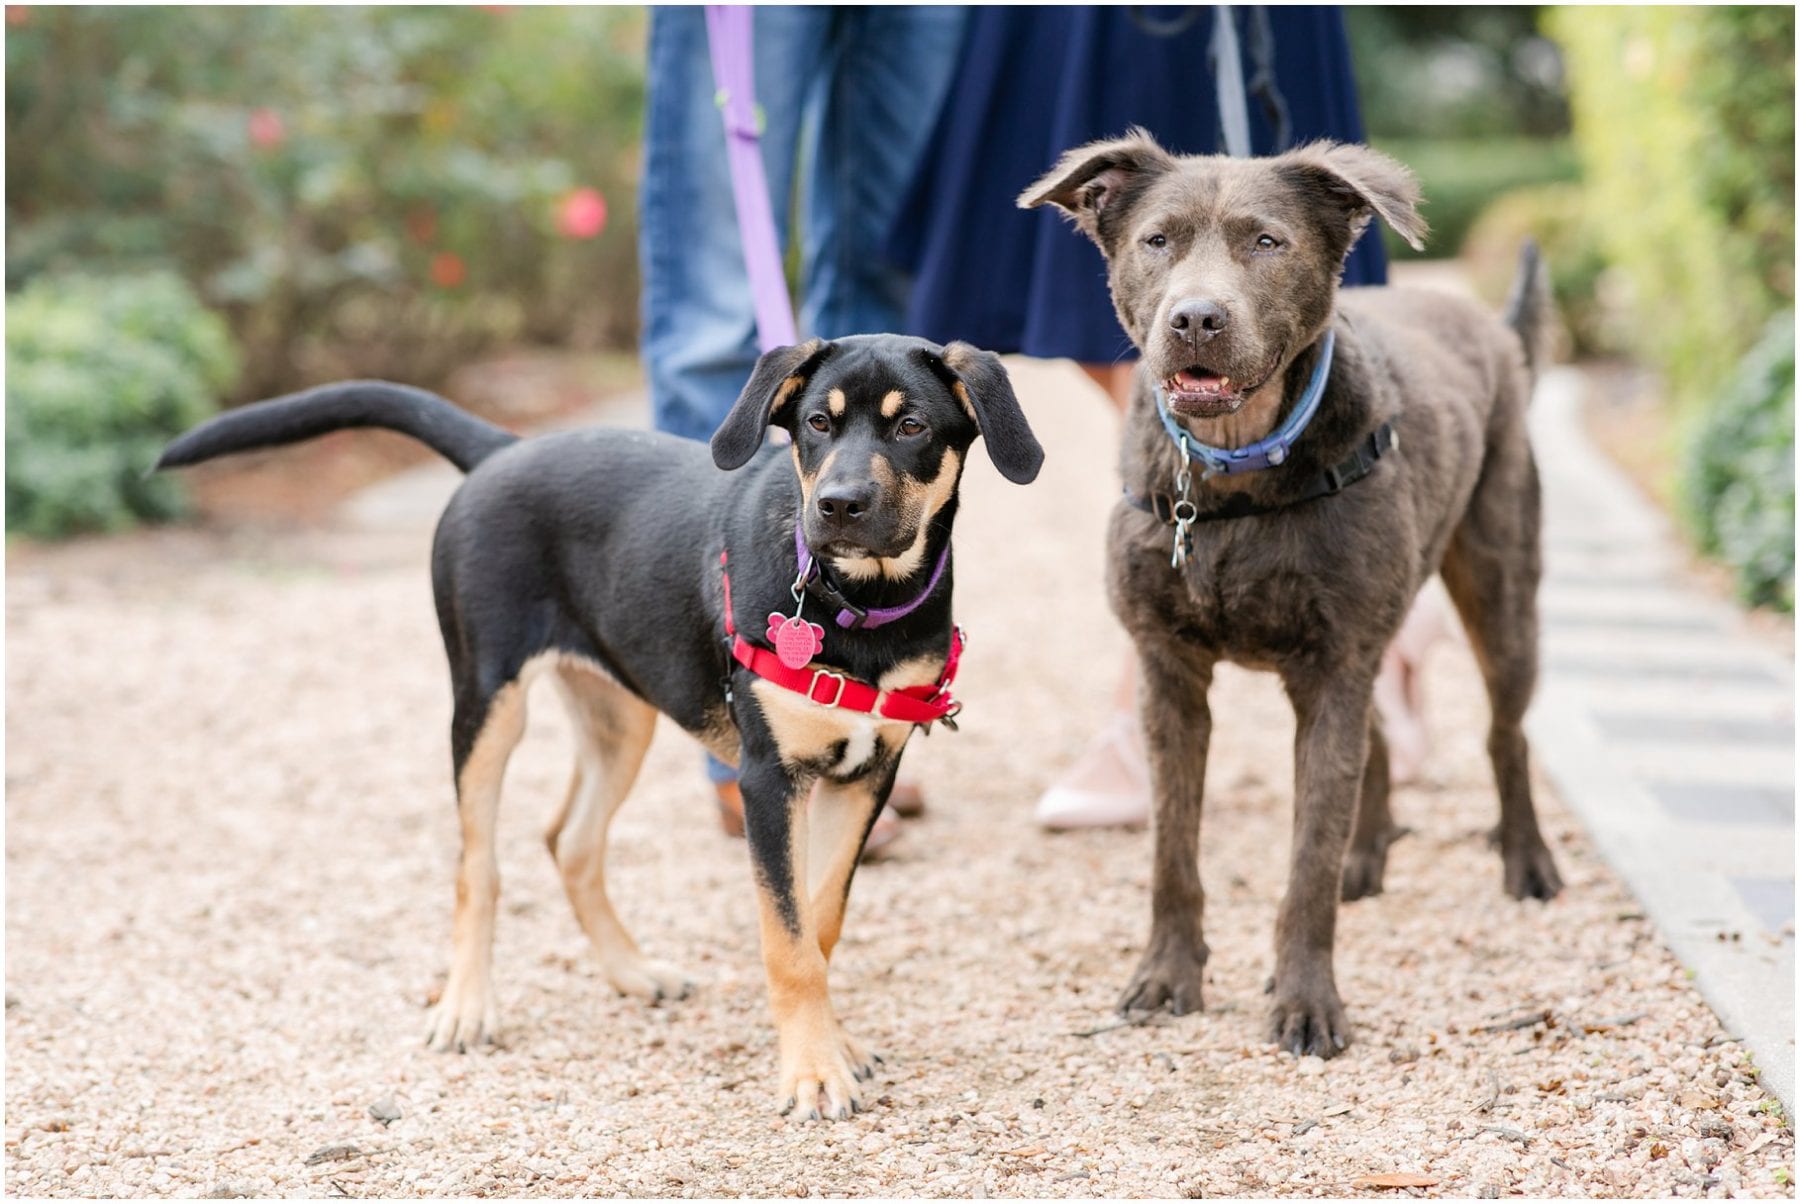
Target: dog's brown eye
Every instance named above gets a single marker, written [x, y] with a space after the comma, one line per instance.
[819, 423]
[1267, 242]
[1158, 241]
[911, 426]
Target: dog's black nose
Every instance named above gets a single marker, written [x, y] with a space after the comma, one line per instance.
[843, 505]
[1194, 322]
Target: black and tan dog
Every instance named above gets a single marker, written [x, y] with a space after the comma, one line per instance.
[1275, 518]
[601, 557]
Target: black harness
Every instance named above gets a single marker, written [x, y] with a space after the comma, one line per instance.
[1340, 476]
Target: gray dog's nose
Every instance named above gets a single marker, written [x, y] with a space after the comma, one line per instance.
[843, 505]
[1194, 322]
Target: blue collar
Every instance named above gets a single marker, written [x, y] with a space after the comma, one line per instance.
[1266, 452]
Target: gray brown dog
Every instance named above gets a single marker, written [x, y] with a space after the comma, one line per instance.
[1300, 552]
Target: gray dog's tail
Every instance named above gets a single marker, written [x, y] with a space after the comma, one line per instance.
[453, 433]
[1529, 307]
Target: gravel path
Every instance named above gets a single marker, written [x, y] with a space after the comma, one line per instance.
[229, 857]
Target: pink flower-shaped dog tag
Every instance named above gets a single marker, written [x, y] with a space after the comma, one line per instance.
[796, 641]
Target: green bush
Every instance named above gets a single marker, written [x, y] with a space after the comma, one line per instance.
[1559, 219]
[100, 373]
[1738, 483]
[360, 190]
[1685, 124]
[1461, 177]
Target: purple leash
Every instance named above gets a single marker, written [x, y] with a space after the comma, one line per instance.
[728, 35]
[877, 616]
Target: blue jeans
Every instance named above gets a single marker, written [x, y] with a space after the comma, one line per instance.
[850, 95]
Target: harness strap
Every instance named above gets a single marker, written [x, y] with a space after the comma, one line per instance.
[1346, 472]
[923, 705]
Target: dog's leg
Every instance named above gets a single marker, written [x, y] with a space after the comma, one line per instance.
[1177, 728]
[1332, 713]
[1492, 570]
[612, 734]
[838, 824]
[465, 1013]
[816, 1077]
[1366, 861]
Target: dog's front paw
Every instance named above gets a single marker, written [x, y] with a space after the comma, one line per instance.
[644, 978]
[818, 1082]
[1171, 974]
[857, 1057]
[465, 1017]
[1309, 1019]
[1531, 871]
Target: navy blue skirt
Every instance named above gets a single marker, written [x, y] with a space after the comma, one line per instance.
[1035, 82]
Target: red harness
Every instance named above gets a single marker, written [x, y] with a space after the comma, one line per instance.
[913, 704]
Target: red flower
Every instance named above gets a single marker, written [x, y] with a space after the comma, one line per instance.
[447, 269]
[266, 128]
[18, 14]
[582, 214]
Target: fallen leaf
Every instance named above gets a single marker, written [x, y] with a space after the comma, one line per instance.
[1659, 1150]
[1694, 1099]
[1396, 1180]
[1336, 1110]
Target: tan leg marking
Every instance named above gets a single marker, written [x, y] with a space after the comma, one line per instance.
[612, 732]
[465, 1014]
[891, 403]
[817, 1079]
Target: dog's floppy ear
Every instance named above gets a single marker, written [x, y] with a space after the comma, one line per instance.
[1091, 181]
[779, 375]
[978, 381]
[1363, 182]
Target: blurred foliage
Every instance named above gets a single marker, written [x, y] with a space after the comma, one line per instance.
[1461, 177]
[100, 373]
[1455, 72]
[1738, 482]
[363, 191]
[1559, 218]
[1684, 121]
[1470, 98]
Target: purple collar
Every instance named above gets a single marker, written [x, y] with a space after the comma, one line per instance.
[850, 617]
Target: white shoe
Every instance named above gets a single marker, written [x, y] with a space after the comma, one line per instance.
[1109, 787]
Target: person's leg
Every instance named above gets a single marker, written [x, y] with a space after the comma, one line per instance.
[891, 71]
[699, 328]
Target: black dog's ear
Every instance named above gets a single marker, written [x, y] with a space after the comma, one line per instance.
[779, 375]
[978, 380]
[1364, 183]
[1091, 180]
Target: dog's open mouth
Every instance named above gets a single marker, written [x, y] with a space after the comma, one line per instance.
[1199, 392]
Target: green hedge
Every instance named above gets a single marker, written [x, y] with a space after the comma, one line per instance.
[1738, 482]
[360, 190]
[100, 373]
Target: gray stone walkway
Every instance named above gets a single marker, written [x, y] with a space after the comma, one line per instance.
[1670, 731]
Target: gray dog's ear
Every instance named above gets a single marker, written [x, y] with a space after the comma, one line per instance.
[1364, 183]
[978, 380]
[1090, 180]
[779, 375]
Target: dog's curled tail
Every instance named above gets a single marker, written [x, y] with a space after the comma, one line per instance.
[453, 433]
[1529, 307]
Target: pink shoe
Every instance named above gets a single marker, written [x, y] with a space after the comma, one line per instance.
[1109, 787]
